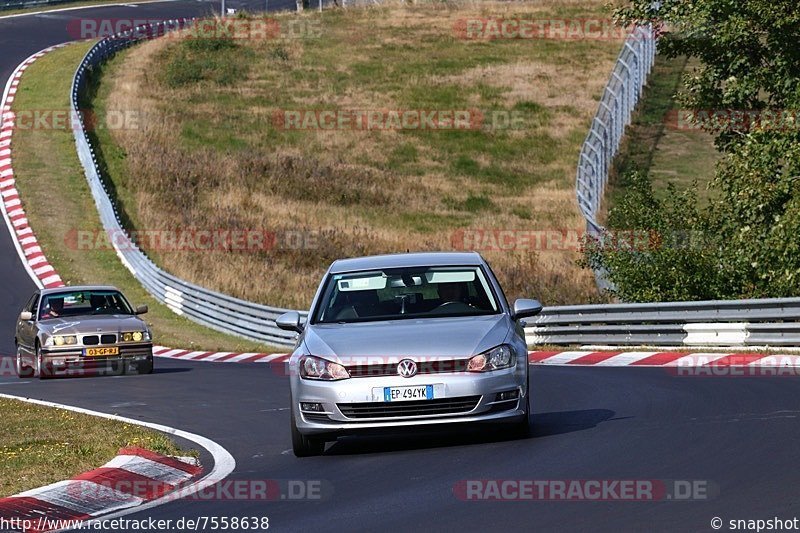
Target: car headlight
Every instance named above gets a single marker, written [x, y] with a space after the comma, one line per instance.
[61, 340]
[494, 359]
[135, 336]
[316, 368]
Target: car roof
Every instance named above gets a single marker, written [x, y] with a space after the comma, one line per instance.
[79, 288]
[420, 259]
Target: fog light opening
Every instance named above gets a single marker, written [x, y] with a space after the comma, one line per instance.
[309, 407]
[507, 395]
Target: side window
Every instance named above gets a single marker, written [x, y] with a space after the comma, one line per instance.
[32, 304]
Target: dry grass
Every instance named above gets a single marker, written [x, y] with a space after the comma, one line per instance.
[209, 155]
[41, 445]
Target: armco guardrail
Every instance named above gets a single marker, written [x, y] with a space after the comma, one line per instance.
[767, 322]
[218, 311]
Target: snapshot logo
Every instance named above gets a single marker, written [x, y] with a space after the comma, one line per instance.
[194, 240]
[253, 29]
[583, 490]
[223, 490]
[487, 29]
[64, 120]
[737, 120]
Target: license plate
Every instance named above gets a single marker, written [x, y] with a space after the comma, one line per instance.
[101, 352]
[407, 394]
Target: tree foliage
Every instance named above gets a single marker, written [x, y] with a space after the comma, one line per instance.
[746, 241]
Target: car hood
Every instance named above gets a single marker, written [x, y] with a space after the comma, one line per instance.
[91, 324]
[429, 338]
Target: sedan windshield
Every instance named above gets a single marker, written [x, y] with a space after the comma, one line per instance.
[394, 294]
[76, 303]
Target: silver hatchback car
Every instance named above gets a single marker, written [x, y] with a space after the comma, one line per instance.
[407, 340]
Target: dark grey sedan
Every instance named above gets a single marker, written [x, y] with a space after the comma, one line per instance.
[410, 340]
[73, 330]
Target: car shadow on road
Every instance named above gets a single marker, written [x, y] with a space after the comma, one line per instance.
[543, 425]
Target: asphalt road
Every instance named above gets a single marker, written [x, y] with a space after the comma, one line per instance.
[735, 436]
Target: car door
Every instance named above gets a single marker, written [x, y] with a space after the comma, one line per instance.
[26, 329]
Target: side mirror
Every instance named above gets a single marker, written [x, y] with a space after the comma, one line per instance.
[524, 308]
[142, 309]
[290, 321]
[26, 316]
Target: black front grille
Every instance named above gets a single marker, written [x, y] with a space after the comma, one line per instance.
[316, 417]
[91, 340]
[108, 339]
[444, 406]
[424, 367]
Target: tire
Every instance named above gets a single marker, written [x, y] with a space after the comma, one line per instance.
[304, 446]
[522, 429]
[23, 370]
[41, 369]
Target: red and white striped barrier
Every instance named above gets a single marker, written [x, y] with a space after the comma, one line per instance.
[219, 357]
[662, 359]
[34, 260]
[133, 477]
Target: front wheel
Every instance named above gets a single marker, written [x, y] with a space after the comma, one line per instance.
[41, 367]
[23, 370]
[302, 445]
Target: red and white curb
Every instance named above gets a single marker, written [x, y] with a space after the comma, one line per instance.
[219, 357]
[34, 260]
[662, 359]
[561, 358]
[133, 477]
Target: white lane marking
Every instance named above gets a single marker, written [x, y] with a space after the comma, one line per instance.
[48, 11]
[224, 463]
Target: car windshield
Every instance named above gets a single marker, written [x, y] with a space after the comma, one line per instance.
[394, 294]
[75, 303]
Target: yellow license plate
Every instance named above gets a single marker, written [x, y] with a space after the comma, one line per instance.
[101, 352]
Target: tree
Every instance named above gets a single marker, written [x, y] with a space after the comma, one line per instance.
[746, 242]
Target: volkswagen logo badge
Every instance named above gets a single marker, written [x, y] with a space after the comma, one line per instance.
[407, 368]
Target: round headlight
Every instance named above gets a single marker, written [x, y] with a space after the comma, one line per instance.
[72, 339]
[58, 340]
[137, 336]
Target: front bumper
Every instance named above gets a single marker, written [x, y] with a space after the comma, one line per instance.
[67, 358]
[466, 398]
